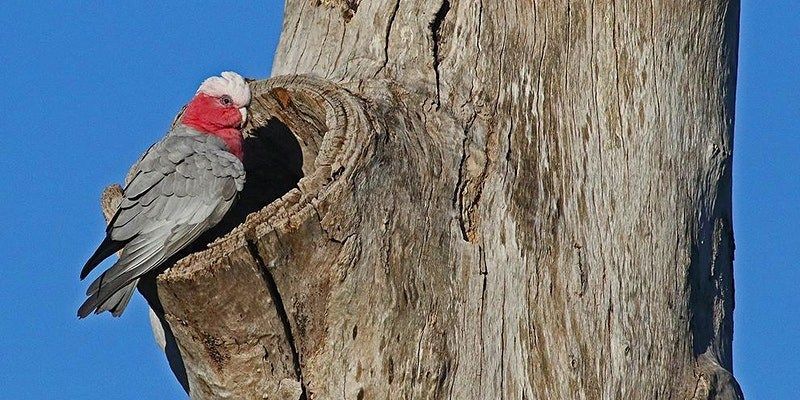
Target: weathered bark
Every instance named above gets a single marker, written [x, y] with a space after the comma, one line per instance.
[500, 199]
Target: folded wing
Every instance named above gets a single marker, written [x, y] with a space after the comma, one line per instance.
[182, 187]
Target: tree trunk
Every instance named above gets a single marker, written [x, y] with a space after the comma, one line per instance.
[500, 199]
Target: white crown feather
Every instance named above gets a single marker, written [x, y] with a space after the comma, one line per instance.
[228, 83]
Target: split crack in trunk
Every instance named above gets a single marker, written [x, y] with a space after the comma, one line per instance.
[274, 293]
[435, 27]
[388, 34]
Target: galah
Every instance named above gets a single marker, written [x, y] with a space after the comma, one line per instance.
[181, 187]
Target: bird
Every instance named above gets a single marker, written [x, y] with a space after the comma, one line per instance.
[180, 188]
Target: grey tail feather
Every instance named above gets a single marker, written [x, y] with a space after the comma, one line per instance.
[105, 250]
[115, 303]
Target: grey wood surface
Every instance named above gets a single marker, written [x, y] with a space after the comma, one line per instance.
[501, 199]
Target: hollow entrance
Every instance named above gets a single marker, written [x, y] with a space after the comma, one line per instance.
[273, 162]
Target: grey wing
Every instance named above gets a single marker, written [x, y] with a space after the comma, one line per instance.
[178, 190]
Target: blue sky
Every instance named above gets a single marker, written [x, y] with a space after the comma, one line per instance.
[766, 198]
[88, 87]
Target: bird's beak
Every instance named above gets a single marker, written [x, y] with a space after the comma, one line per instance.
[243, 111]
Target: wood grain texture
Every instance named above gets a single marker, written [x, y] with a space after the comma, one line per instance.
[514, 199]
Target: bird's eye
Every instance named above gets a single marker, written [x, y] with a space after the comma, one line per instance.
[225, 100]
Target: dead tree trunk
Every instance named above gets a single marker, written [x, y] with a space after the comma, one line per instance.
[500, 199]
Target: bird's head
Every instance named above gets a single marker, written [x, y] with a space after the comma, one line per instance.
[220, 108]
[220, 104]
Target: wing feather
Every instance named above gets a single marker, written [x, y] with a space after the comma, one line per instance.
[182, 187]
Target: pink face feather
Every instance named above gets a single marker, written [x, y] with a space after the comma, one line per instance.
[219, 109]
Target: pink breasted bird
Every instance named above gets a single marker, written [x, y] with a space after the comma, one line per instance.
[179, 189]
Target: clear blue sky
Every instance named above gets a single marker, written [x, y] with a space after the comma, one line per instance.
[87, 88]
